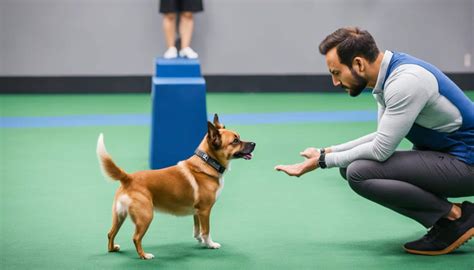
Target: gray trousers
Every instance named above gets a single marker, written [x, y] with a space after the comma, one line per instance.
[413, 183]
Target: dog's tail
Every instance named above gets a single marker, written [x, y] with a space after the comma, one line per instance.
[108, 165]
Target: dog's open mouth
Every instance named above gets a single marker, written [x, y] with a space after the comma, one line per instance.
[245, 156]
[246, 153]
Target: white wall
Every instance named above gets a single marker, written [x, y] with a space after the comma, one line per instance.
[121, 37]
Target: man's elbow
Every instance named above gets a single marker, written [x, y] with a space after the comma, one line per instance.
[382, 155]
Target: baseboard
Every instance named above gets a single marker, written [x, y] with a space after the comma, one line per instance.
[214, 83]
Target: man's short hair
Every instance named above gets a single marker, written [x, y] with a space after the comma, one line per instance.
[350, 43]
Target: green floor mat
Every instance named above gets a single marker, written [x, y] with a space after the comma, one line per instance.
[55, 207]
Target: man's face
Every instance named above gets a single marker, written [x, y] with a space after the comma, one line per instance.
[344, 76]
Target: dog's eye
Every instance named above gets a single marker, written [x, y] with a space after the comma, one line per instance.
[235, 141]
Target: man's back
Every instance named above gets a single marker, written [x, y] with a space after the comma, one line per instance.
[443, 115]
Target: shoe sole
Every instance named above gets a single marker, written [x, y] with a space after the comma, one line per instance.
[461, 240]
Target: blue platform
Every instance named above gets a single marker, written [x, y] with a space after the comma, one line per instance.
[179, 116]
[178, 67]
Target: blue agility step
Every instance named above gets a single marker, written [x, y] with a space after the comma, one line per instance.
[177, 67]
[179, 116]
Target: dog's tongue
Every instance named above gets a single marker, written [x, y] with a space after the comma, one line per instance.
[247, 156]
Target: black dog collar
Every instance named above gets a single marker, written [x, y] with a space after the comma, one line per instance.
[209, 160]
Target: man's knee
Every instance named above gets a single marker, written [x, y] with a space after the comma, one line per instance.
[343, 172]
[357, 172]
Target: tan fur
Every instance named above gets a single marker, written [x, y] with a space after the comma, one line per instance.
[188, 188]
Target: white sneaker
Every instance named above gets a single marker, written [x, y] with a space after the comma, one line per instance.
[188, 53]
[172, 52]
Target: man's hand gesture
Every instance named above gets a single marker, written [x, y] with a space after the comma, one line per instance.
[311, 156]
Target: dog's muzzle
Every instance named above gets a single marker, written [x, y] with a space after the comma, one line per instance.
[246, 153]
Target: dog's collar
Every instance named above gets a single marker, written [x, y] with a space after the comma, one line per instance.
[209, 160]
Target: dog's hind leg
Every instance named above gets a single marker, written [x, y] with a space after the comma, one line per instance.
[142, 217]
[119, 214]
[117, 221]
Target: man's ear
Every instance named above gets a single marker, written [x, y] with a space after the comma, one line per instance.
[213, 136]
[358, 64]
[217, 123]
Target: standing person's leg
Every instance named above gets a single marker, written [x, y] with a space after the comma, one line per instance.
[186, 27]
[416, 184]
[169, 8]
[169, 28]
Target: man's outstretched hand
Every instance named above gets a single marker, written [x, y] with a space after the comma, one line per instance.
[299, 169]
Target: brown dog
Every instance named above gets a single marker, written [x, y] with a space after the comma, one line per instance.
[189, 188]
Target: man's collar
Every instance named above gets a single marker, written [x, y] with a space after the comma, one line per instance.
[382, 72]
[209, 160]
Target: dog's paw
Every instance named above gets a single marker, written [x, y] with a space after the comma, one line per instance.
[213, 245]
[148, 256]
[115, 249]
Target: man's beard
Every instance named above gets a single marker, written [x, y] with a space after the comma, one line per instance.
[359, 85]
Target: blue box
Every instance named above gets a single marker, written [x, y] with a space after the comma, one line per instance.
[177, 68]
[179, 116]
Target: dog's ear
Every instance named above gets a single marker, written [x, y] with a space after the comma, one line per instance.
[217, 123]
[213, 136]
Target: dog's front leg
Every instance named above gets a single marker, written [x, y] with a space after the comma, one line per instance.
[197, 229]
[205, 229]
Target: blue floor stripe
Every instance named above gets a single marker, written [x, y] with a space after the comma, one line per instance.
[75, 121]
[228, 119]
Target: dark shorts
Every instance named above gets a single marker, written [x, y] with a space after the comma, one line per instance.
[171, 6]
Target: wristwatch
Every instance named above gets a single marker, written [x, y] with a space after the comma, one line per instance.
[322, 159]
